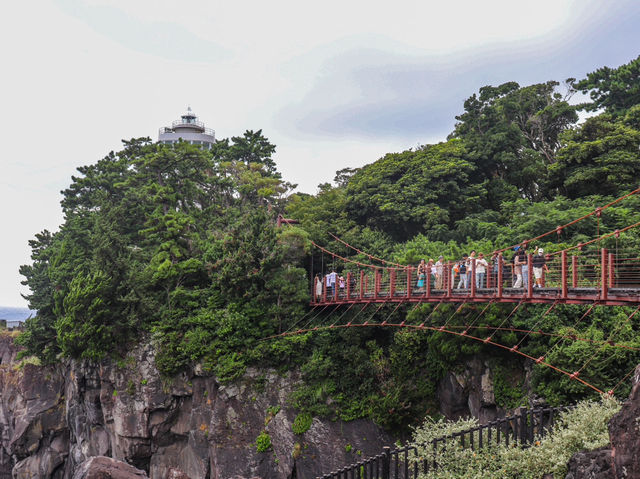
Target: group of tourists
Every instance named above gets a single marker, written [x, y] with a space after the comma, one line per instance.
[462, 270]
[331, 281]
[461, 273]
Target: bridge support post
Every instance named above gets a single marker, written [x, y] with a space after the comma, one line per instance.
[574, 271]
[473, 278]
[409, 280]
[604, 284]
[376, 283]
[612, 270]
[428, 282]
[348, 285]
[563, 277]
[392, 283]
[500, 279]
[529, 276]
[361, 284]
[324, 289]
[449, 277]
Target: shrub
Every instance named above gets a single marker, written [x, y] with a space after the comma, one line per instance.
[263, 442]
[302, 423]
[583, 428]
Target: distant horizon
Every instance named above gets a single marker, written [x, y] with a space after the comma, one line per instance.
[16, 313]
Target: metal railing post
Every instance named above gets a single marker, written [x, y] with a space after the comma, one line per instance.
[500, 279]
[348, 285]
[604, 284]
[612, 270]
[574, 271]
[473, 278]
[563, 277]
[324, 289]
[361, 284]
[409, 279]
[529, 276]
[392, 283]
[386, 463]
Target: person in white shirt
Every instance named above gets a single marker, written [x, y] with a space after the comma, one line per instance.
[481, 271]
[439, 266]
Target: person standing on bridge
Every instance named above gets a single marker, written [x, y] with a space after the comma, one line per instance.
[539, 264]
[470, 261]
[422, 274]
[464, 279]
[439, 267]
[518, 259]
[331, 283]
[525, 268]
[318, 287]
[481, 271]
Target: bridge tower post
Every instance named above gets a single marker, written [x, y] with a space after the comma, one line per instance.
[473, 278]
[500, 280]
[529, 276]
[392, 283]
[563, 278]
[324, 289]
[612, 270]
[604, 285]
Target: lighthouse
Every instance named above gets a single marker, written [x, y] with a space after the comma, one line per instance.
[188, 128]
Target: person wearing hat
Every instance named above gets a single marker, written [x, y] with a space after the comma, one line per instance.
[539, 264]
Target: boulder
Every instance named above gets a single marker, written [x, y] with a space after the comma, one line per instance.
[592, 464]
[100, 467]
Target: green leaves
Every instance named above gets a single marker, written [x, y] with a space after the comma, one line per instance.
[614, 89]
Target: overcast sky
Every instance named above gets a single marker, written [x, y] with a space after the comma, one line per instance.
[332, 84]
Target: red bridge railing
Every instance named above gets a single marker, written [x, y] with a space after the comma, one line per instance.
[601, 277]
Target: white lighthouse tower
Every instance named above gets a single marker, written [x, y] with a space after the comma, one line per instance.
[188, 128]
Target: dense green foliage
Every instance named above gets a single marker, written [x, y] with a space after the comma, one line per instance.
[180, 245]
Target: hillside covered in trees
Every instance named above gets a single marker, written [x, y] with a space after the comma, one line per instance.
[179, 246]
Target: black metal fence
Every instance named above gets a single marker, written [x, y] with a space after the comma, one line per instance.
[408, 462]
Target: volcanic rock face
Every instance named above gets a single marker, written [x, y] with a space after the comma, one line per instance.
[469, 393]
[622, 459]
[624, 431]
[81, 421]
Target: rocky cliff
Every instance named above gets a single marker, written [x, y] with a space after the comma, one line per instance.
[121, 419]
[61, 422]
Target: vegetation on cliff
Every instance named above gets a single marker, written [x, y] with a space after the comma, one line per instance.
[180, 245]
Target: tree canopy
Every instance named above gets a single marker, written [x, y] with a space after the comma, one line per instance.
[179, 245]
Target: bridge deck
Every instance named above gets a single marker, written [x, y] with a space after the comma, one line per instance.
[615, 296]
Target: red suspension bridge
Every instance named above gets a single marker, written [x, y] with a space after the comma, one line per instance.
[584, 274]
